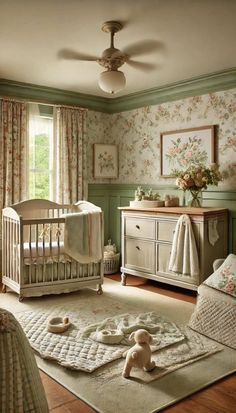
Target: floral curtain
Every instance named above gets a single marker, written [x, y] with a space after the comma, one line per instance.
[13, 151]
[70, 158]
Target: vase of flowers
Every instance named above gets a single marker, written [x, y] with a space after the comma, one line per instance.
[195, 179]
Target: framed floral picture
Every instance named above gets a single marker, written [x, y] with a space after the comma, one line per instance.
[180, 149]
[105, 161]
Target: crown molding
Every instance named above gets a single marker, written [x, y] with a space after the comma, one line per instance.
[196, 86]
[179, 90]
[44, 94]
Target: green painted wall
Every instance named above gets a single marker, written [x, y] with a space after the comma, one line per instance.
[111, 196]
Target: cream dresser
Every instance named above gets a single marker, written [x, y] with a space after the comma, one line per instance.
[147, 236]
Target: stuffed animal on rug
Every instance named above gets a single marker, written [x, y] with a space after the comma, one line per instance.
[140, 354]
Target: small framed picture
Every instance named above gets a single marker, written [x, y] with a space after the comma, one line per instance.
[187, 147]
[105, 160]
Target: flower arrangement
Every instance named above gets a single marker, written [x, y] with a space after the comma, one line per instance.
[196, 178]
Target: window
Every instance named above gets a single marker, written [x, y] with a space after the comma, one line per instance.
[40, 148]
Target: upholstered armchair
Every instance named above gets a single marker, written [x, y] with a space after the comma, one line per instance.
[215, 311]
[21, 389]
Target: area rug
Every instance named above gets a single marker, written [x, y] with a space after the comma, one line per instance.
[105, 389]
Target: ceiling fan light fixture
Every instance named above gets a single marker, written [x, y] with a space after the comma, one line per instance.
[112, 81]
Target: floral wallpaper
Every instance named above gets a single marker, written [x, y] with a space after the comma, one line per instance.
[137, 134]
[97, 132]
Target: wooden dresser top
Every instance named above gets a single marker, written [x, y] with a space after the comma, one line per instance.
[177, 210]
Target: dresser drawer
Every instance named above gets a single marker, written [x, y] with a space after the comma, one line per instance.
[163, 257]
[163, 260]
[166, 230]
[140, 228]
[140, 255]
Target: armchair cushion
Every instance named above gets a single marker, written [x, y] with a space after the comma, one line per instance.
[224, 278]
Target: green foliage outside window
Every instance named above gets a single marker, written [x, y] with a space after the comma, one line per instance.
[39, 166]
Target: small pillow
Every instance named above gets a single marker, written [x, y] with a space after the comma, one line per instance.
[224, 278]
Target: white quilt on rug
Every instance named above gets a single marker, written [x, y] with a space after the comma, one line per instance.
[75, 348]
[79, 347]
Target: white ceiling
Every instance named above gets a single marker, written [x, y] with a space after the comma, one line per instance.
[194, 37]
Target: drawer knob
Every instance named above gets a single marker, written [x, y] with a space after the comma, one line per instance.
[137, 226]
[137, 247]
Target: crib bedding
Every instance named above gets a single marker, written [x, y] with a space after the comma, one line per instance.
[43, 252]
[60, 271]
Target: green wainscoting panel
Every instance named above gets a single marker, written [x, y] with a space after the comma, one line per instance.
[114, 220]
[224, 199]
[233, 232]
[102, 200]
[111, 196]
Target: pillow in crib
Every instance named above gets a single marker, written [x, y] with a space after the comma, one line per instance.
[224, 278]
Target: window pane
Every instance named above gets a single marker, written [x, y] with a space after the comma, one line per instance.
[40, 153]
[39, 185]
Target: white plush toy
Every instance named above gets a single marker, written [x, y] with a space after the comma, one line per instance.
[140, 354]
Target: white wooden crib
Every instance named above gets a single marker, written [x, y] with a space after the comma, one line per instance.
[34, 261]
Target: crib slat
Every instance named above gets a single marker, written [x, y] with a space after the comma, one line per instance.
[37, 252]
[43, 241]
[30, 252]
[6, 251]
[50, 247]
[10, 255]
[21, 256]
[64, 271]
[58, 231]
[6, 244]
[14, 252]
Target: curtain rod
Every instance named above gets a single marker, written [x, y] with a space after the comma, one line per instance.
[42, 103]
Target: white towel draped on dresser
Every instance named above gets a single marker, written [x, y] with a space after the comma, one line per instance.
[184, 255]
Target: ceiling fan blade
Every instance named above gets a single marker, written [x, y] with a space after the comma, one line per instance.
[69, 54]
[143, 47]
[145, 67]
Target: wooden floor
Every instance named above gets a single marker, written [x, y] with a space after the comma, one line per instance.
[217, 398]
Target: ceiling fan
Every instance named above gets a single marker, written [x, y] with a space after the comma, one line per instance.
[113, 80]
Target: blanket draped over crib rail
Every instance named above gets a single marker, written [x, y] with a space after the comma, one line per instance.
[82, 236]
